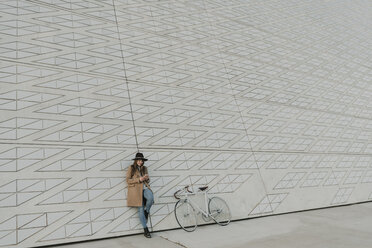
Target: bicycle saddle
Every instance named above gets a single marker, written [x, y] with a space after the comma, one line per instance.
[203, 188]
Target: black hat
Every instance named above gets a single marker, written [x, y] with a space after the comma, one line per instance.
[139, 156]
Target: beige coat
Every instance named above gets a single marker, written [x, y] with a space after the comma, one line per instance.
[135, 187]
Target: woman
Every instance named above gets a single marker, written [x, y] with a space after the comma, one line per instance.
[139, 191]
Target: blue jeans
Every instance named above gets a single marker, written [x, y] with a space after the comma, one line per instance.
[149, 201]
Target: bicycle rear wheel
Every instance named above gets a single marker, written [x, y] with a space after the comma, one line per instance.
[219, 211]
[185, 215]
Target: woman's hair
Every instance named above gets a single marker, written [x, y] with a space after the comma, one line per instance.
[133, 168]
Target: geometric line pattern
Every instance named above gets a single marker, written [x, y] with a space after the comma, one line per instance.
[84, 191]
[248, 98]
[87, 223]
[20, 227]
[20, 191]
[269, 203]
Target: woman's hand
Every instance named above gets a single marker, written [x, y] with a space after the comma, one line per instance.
[144, 178]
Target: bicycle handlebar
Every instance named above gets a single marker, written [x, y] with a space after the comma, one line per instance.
[187, 188]
[178, 191]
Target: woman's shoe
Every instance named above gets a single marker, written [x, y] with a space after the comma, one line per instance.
[147, 233]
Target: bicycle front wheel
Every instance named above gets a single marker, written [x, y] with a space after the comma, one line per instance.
[219, 211]
[185, 215]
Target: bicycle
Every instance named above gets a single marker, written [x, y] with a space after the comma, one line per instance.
[184, 210]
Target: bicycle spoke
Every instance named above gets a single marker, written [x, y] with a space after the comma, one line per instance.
[185, 215]
[219, 211]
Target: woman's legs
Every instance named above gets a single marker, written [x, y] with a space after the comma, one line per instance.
[142, 216]
[149, 199]
[141, 210]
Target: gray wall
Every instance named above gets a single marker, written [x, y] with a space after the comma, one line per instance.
[267, 102]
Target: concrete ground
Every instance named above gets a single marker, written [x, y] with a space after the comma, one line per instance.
[339, 227]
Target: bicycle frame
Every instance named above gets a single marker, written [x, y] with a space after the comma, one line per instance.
[195, 205]
[187, 217]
